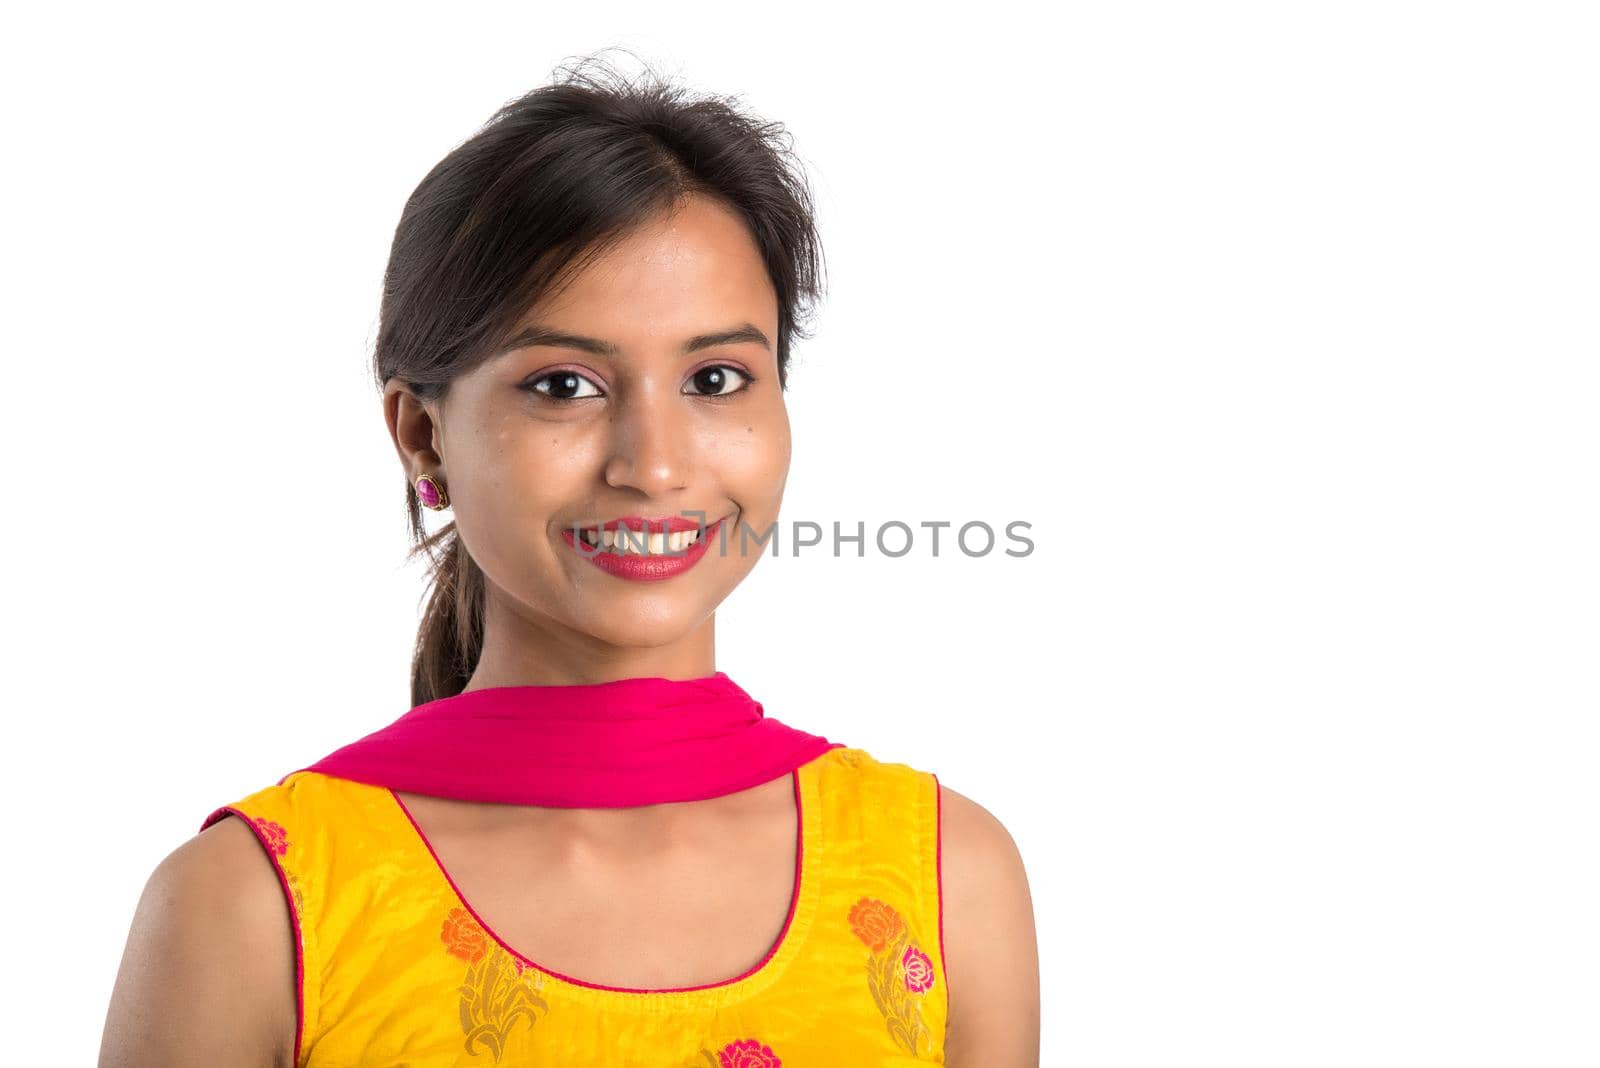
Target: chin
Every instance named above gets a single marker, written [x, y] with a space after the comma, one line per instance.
[639, 631]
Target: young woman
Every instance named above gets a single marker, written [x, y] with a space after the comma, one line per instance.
[584, 844]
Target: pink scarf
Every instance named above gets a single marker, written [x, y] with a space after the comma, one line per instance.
[640, 741]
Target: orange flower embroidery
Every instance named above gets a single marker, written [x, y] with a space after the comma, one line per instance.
[899, 973]
[875, 923]
[463, 937]
[497, 990]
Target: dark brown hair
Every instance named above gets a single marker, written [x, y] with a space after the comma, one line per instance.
[551, 181]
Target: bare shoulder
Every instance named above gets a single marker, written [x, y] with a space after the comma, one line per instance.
[208, 972]
[991, 949]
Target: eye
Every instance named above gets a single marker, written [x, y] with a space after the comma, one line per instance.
[714, 381]
[563, 386]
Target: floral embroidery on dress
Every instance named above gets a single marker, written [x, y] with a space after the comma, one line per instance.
[294, 891]
[918, 970]
[748, 1053]
[276, 837]
[498, 989]
[277, 843]
[742, 1053]
[899, 973]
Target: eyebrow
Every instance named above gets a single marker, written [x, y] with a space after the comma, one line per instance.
[540, 335]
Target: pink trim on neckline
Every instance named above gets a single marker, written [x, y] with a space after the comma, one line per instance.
[772, 952]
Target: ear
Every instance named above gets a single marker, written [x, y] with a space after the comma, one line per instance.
[414, 429]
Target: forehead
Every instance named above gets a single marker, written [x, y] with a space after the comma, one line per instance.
[680, 268]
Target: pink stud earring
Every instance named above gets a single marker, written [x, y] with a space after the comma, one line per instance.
[431, 493]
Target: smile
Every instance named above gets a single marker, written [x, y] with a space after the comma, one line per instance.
[642, 551]
[625, 540]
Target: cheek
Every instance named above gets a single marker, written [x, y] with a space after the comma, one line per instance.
[522, 477]
[543, 471]
[756, 464]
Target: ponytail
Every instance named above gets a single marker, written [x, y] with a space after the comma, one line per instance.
[450, 638]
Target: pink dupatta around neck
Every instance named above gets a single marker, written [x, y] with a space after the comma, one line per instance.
[640, 741]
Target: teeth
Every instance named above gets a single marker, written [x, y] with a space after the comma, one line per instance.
[625, 542]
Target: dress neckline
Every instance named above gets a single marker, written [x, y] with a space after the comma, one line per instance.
[802, 909]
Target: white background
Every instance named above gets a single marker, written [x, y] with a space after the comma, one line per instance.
[1277, 322]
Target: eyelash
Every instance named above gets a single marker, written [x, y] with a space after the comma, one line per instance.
[532, 383]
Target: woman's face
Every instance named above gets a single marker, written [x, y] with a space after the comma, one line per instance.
[652, 417]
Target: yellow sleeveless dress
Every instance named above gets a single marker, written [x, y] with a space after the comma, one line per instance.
[396, 969]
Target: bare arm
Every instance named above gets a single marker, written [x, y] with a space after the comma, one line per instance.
[208, 974]
[992, 951]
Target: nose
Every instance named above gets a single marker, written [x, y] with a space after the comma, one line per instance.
[650, 447]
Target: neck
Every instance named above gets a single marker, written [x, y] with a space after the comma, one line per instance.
[523, 651]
